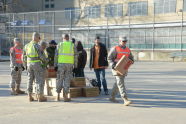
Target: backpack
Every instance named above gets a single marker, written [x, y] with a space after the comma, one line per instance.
[93, 82]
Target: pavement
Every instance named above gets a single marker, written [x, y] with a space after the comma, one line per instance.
[157, 89]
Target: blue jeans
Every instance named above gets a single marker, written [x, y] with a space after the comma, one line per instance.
[100, 77]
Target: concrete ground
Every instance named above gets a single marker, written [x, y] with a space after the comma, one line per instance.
[157, 89]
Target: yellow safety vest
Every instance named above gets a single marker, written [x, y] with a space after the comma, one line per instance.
[31, 53]
[66, 52]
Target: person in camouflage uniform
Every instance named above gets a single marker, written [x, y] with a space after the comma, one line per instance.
[16, 66]
[33, 59]
[114, 56]
[65, 61]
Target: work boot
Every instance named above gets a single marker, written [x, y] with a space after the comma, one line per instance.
[13, 92]
[126, 102]
[58, 97]
[18, 91]
[30, 98]
[65, 97]
[41, 98]
[112, 99]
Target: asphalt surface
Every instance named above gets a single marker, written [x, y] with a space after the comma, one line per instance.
[157, 89]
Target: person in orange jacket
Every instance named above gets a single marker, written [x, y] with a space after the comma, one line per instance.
[16, 65]
[114, 56]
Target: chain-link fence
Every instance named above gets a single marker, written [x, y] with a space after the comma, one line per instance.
[145, 27]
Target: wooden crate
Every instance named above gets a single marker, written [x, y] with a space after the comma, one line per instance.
[90, 91]
[52, 82]
[76, 92]
[78, 82]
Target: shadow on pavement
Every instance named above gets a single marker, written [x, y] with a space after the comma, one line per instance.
[158, 98]
[4, 90]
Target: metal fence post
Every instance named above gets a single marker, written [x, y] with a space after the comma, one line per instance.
[182, 29]
[88, 33]
[38, 23]
[71, 23]
[24, 30]
[129, 25]
[107, 36]
[153, 40]
[54, 26]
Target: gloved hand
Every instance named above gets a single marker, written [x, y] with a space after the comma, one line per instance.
[23, 68]
[16, 68]
[56, 68]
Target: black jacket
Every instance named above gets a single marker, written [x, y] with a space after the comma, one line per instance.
[51, 55]
[102, 56]
[82, 57]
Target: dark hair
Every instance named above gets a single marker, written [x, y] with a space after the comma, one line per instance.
[97, 38]
[73, 40]
[79, 46]
[66, 36]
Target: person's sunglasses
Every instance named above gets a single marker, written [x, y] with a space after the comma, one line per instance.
[124, 41]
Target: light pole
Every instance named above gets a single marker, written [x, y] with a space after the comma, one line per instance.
[181, 10]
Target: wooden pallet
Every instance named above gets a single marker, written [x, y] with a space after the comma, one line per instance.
[78, 82]
[90, 91]
[76, 92]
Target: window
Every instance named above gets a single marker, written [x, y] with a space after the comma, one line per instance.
[46, 5]
[137, 8]
[46, 0]
[92, 12]
[52, 6]
[72, 13]
[165, 6]
[113, 10]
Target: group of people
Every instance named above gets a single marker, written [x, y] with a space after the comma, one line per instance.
[68, 58]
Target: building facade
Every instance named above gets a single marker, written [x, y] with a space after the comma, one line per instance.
[152, 26]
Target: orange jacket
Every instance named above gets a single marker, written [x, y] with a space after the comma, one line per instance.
[18, 55]
[121, 52]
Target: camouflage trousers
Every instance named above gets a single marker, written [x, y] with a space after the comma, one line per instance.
[36, 73]
[64, 76]
[119, 86]
[15, 78]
